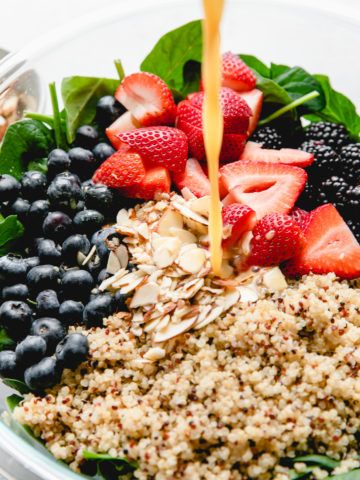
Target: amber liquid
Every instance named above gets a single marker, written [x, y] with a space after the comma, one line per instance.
[213, 121]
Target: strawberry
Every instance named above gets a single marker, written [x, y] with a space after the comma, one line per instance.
[265, 187]
[156, 180]
[148, 98]
[122, 169]
[124, 123]
[276, 238]
[329, 246]
[193, 178]
[163, 146]
[254, 99]
[288, 156]
[301, 217]
[236, 74]
[238, 219]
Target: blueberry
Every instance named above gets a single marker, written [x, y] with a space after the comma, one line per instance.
[86, 136]
[31, 262]
[37, 213]
[20, 208]
[9, 188]
[80, 206]
[83, 162]
[19, 291]
[58, 162]
[102, 151]
[49, 252]
[9, 367]
[77, 284]
[108, 109]
[16, 317]
[50, 329]
[47, 303]
[72, 246]
[72, 350]
[43, 277]
[33, 185]
[31, 350]
[88, 221]
[65, 191]
[97, 309]
[45, 374]
[94, 265]
[100, 197]
[12, 269]
[120, 301]
[71, 312]
[103, 275]
[100, 240]
[57, 226]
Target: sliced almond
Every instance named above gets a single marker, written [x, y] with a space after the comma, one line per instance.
[162, 257]
[122, 218]
[151, 326]
[112, 280]
[170, 219]
[247, 294]
[148, 269]
[188, 213]
[172, 244]
[226, 269]
[230, 298]
[187, 193]
[113, 263]
[201, 205]
[191, 288]
[164, 322]
[274, 279]
[184, 236]
[196, 227]
[122, 254]
[89, 255]
[192, 261]
[244, 244]
[210, 317]
[143, 230]
[154, 354]
[173, 330]
[146, 294]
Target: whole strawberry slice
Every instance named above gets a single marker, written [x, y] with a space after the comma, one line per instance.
[237, 219]
[193, 178]
[254, 99]
[164, 146]
[265, 187]
[301, 217]
[277, 237]
[156, 180]
[148, 98]
[236, 74]
[329, 246]
[122, 169]
[253, 152]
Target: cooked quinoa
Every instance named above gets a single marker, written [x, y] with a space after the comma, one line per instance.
[263, 381]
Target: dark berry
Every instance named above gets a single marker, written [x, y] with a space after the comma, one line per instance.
[20, 208]
[43, 277]
[47, 303]
[72, 246]
[103, 275]
[88, 221]
[33, 185]
[94, 265]
[120, 301]
[334, 190]
[49, 252]
[31, 262]
[83, 162]
[58, 162]
[71, 312]
[19, 291]
[332, 134]
[77, 284]
[97, 309]
[86, 136]
[326, 160]
[57, 226]
[350, 162]
[354, 225]
[72, 350]
[37, 213]
[108, 109]
[65, 191]
[104, 238]
[9, 367]
[269, 137]
[9, 188]
[99, 197]
[42, 375]
[16, 317]
[50, 329]
[102, 151]
[31, 350]
[13, 269]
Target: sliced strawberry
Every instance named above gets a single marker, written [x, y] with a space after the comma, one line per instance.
[236, 74]
[122, 169]
[254, 99]
[195, 138]
[193, 178]
[237, 219]
[301, 217]
[222, 189]
[124, 123]
[265, 187]
[164, 146]
[232, 147]
[148, 98]
[156, 180]
[329, 246]
[253, 152]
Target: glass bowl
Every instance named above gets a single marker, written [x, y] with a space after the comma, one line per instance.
[321, 41]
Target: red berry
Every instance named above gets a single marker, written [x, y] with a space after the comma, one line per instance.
[253, 152]
[122, 169]
[156, 180]
[236, 74]
[254, 99]
[237, 219]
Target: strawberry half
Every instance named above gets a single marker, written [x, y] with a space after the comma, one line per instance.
[301, 217]
[253, 152]
[148, 98]
[193, 178]
[156, 180]
[329, 246]
[237, 219]
[276, 238]
[265, 187]
[122, 169]
[164, 146]
[124, 123]
[254, 99]
[236, 74]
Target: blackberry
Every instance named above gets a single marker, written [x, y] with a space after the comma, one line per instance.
[354, 225]
[326, 159]
[350, 161]
[269, 137]
[310, 197]
[332, 134]
[335, 190]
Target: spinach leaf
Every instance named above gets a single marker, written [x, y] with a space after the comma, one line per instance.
[321, 460]
[176, 58]
[294, 475]
[10, 230]
[13, 401]
[108, 466]
[23, 141]
[353, 475]
[17, 385]
[6, 343]
[39, 165]
[80, 96]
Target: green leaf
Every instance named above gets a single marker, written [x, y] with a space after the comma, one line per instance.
[24, 141]
[104, 456]
[6, 343]
[321, 460]
[176, 57]
[13, 401]
[294, 475]
[10, 230]
[353, 475]
[17, 385]
[39, 165]
[255, 64]
[80, 96]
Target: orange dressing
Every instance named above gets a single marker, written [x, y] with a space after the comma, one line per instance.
[213, 121]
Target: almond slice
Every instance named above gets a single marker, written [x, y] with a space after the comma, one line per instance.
[173, 330]
[201, 205]
[162, 257]
[188, 213]
[168, 220]
[230, 298]
[247, 294]
[113, 263]
[172, 244]
[187, 193]
[122, 218]
[154, 354]
[184, 236]
[147, 294]
[192, 261]
[213, 315]
[151, 326]
[274, 279]
[112, 280]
